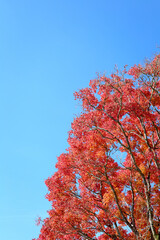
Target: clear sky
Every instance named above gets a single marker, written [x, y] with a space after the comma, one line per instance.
[48, 50]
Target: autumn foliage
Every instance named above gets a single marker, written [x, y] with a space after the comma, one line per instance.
[107, 184]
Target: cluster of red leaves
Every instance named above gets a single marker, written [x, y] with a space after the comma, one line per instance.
[94, 194]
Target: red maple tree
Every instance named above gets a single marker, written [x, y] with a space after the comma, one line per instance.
[107, 185]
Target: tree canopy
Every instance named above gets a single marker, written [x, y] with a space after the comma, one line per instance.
[107, 183]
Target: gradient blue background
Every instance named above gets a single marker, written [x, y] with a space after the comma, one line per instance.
[48, 50]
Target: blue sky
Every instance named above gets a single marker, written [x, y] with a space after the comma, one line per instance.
[48, 50]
